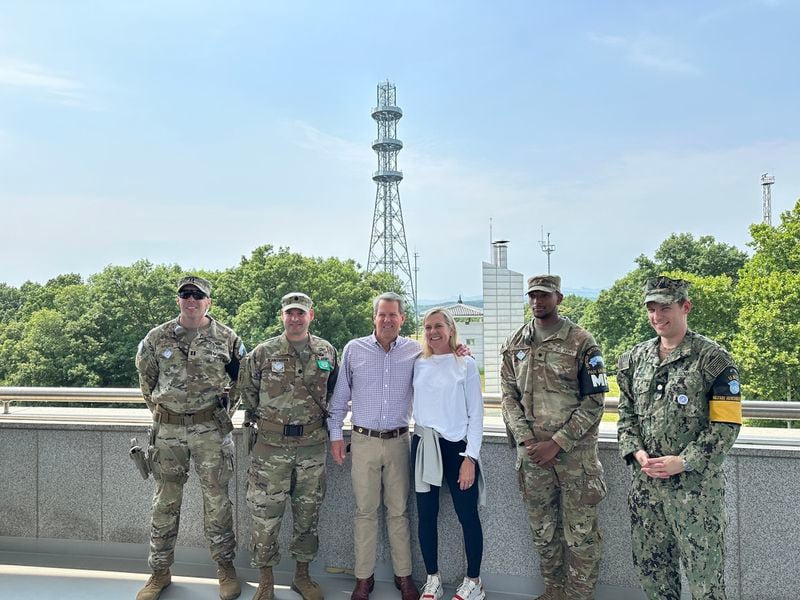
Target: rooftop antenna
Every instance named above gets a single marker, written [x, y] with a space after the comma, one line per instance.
[766, 198]
[547, 248]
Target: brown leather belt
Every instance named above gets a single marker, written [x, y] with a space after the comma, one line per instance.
[289, 430]
[162, 415]
[377, 433]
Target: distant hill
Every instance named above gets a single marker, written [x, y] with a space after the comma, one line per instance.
[426, 303]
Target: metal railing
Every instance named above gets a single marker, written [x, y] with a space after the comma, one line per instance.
[751, 409]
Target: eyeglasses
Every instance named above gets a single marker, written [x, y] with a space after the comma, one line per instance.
[196, 294]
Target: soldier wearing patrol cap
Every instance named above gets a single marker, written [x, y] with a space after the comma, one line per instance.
[285, 384]
[185, 366]
[679, 414]
[553, 380]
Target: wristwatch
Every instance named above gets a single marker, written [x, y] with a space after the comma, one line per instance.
[686, 466]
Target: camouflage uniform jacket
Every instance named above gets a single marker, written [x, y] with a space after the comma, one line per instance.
[186, 376]
[277, 386]
[688, 405]
[554, 390]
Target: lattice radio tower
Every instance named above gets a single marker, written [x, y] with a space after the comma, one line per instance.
[766, 198]
[387, 245]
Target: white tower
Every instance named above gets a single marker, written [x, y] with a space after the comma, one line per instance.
[503, 311]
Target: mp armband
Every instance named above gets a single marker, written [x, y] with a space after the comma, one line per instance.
[592, 376]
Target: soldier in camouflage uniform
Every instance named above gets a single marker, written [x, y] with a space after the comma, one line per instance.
[679, 414]
[184, 367]
[553, 380]
[285, 384]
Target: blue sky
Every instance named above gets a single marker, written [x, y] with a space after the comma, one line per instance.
[192, 132]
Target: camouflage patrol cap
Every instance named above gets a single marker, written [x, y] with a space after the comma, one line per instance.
[204, 285]
[296, 300]
[544, 283]
[665, 290]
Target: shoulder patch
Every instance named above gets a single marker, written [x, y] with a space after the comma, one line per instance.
[624, 361]
[717, 365]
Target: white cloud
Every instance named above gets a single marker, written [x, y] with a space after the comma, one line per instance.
[648, 51]
[308, 137]
[25, 75]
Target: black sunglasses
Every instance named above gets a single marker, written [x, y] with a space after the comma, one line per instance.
[196, 294]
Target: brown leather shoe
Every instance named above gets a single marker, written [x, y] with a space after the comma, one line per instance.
[363, 588]
[408, 589]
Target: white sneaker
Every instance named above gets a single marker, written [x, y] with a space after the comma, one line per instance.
[432, 589]
[470, 590]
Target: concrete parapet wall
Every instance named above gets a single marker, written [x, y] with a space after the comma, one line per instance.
[73, 481]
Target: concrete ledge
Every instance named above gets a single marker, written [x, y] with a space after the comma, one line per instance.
[73, 485]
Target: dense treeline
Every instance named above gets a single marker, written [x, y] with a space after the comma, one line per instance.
[750, 305]
[71, 332]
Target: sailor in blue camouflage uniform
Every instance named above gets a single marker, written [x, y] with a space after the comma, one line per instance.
[285, 384]
[679, 414]
[184, 368]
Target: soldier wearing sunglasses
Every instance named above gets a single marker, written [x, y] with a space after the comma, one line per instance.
[185, 366]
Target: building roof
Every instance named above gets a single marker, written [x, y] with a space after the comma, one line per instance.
[459, 309]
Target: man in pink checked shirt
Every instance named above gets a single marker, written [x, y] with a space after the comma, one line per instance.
[376, 378]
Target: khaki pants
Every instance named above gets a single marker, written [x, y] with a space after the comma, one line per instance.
[381, 463]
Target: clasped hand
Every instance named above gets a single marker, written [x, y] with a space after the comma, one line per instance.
[659, 467]
[542, 454]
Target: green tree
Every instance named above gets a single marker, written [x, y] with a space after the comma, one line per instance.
[617, 318]
[702, 256]
[767, 346]
[715, 306]
[250, 294]
[573, 307]
[125, 302]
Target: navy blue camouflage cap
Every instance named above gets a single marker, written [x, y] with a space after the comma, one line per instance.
[204, 285]
[665, 290]
[296, 300]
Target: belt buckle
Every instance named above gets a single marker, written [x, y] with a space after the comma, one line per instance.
[293, 430]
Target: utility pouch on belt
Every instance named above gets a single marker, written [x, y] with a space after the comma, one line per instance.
[249, 436]
[139, 458]
[223, 421]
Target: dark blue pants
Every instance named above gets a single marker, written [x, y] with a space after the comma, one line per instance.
[465, 503]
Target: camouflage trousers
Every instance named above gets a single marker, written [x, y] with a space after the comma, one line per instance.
[562, 514]
[277, 472]
[213, 455]
[680, 519]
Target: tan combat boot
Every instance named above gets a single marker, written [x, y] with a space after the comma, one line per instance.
[552, 593]
[155, 585]
[229, 587]
[304, 585]
[266, 586]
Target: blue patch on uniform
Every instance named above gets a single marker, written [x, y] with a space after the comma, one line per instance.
[734, 386]
[167, 353]
[683, 399]
[596, 361]
[242, 350]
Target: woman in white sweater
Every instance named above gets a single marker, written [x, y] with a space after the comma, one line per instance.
[448, 430]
